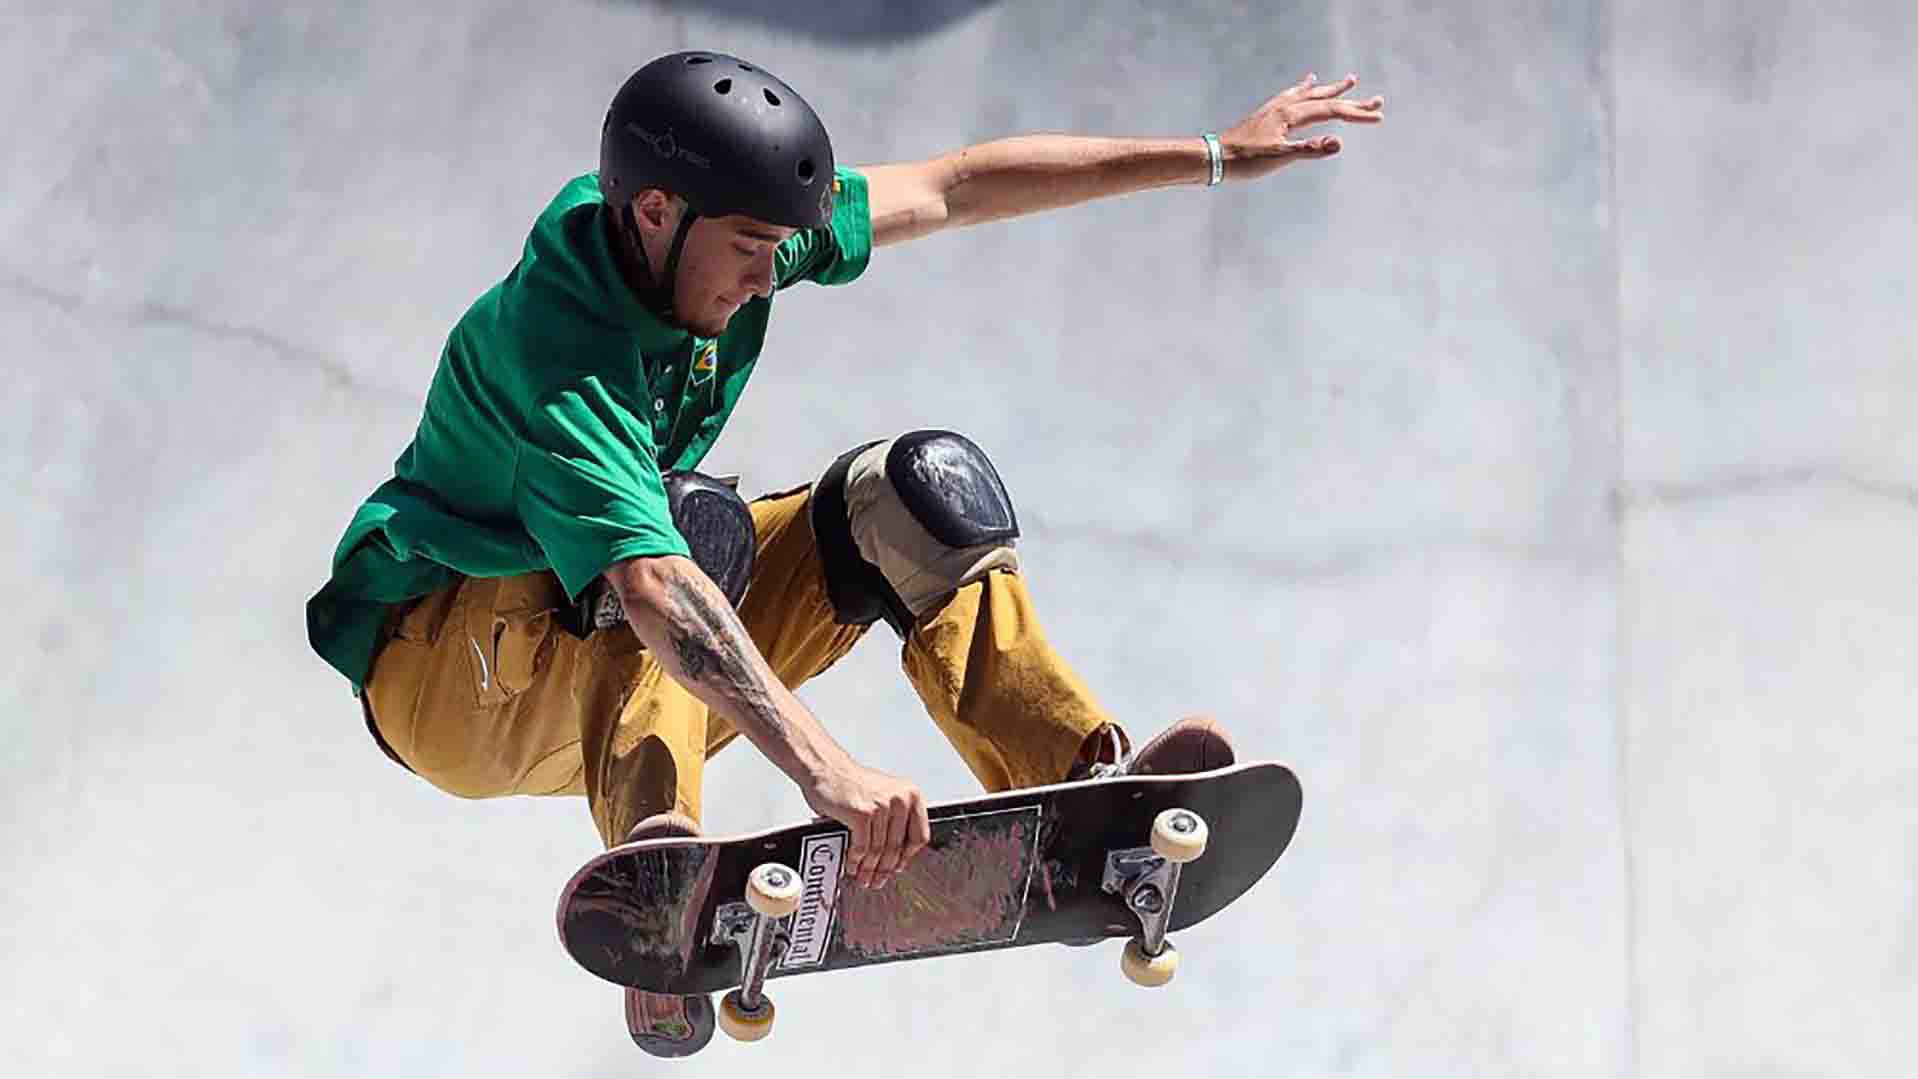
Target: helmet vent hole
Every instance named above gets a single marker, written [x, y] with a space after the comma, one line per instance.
[745, 67]
[695, 61]
[805, 170]
[771, 98]
[724, 86]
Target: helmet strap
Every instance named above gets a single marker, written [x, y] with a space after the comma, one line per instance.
[672, 261]
[658, 295]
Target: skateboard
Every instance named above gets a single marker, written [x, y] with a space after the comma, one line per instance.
[1073, 863]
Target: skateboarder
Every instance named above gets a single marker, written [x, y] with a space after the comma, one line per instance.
[547, 598]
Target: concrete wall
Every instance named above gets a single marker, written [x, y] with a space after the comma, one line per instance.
[1535, 477]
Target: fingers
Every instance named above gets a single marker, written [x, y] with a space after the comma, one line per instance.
[870, 870]
[1304, 114]
[1371, 110]
[866, 867]
[1308, 89]
[919, 835]
[892, 855]
[1324, 146]
[859, 854]
[1306, 102]
[1330, 89]
[908, 831]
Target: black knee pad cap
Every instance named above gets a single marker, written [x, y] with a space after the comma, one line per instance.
[951, 488]
[717, 527]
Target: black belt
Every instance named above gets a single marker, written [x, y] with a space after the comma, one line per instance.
[597, 608]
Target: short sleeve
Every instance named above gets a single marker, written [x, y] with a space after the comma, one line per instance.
[588, 487]
[838, 253]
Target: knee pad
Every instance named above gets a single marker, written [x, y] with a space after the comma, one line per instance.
[903, 524]
[717, 527]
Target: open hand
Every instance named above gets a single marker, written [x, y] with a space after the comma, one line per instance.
[1261, 144]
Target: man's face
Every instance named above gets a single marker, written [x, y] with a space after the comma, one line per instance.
[726, 262]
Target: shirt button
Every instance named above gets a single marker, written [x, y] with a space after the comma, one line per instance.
[659, 404]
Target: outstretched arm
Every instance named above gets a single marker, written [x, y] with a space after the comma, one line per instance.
[1029, 173]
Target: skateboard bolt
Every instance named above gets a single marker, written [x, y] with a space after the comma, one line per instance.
[1148, 899]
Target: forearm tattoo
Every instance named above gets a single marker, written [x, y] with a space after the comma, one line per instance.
[713, 648]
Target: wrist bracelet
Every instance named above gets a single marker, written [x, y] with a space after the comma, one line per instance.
[1216, 157]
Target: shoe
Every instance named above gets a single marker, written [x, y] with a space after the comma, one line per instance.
[663, 826]
[1193, 744]
[668, 1024]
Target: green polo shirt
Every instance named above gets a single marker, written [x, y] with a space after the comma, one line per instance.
[558, 402]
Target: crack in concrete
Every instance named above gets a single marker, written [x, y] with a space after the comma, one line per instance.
[1762, 483]
[147, 313]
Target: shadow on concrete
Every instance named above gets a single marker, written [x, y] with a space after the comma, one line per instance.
[853, 21]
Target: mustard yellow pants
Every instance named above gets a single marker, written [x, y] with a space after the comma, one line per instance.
[481, 694]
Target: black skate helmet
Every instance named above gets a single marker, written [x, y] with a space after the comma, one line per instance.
[723, 134]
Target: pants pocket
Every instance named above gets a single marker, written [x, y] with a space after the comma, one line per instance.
[522, 647]
[509, 636]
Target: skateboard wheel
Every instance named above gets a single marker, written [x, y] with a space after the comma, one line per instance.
[742, 1025]
[1178, 835]
[773, 890]
[1150, 971]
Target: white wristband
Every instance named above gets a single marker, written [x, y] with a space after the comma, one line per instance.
[1216, 156]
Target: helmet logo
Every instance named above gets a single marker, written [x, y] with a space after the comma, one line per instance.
[825, 201]
[668, 147]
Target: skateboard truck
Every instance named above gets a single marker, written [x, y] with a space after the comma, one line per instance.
[772, 893]
[1147, 878]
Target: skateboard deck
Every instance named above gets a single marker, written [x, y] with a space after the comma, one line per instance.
[1005, 870]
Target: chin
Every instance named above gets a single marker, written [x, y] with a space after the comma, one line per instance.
[713, 325]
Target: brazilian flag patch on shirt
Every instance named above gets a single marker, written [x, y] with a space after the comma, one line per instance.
[705, 361]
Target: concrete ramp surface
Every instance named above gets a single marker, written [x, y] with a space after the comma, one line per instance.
[1537, 478]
